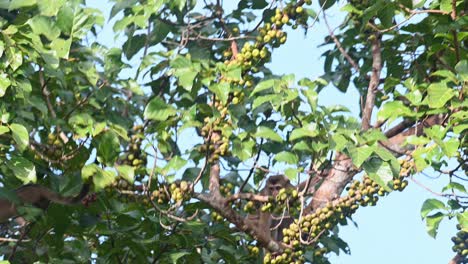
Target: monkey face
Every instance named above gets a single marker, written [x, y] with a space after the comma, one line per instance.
[275, 183]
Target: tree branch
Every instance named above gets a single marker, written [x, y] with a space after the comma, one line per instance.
[374, 81]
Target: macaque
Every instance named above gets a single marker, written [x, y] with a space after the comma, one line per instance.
[266, 221]
[39, 197]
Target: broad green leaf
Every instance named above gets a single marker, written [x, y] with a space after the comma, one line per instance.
[415, 140]
[393, 110]
[158, 110]
[4, 129]
[15, 58]
[42, 25]
[272, 99]
[4, 83]
[185, 70]
[263, 85]
[312, 98]
[291, 173]
[61, 47]
[20, 135]
[462, 69]
[360, 154]
[430, 205]
[126, 172]
[415, 97]
[176, 163]
[438, 94]
[82, 124]
[233, 72]
[379, 171]
[338, 142]
[50, 8]
[221, 90]
[432, 223]
[23, 169]
[178, 255]
[308, 130]
[119, 130]
[108, 147]
[243, 149]
[16, 4]
[133, 45]
[268, 133]
[288, 157]
[446, 74]
[463, 220]
[450, 147]
[455, 186]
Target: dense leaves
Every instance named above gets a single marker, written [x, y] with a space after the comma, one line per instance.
[180, 126]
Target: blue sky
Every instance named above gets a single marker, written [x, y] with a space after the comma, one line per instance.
[392, 232]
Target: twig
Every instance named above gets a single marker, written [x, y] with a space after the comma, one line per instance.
[4, 239]
[374, 81]
[338, 45]
[248, 196]
[253, 167]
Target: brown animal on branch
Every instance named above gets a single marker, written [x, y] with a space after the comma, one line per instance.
[39, 197]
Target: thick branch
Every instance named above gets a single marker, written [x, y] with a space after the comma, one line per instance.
[214, 178]
[374, 81]
[343, 170]
[332, 186]
[218, 203]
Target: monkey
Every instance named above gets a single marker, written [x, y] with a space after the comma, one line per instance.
[38, 196]
[267, 221]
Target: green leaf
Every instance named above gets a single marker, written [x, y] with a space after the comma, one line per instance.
[272, 99]
[438, 94]
[185, 71]
[61, 47]
[450, 147]
[463, 220]
[393, 110]
[23, 169]
[221, 90]
[360, 154]
[126, 172]
[432, 223]
[308, 130]
[100, 177]
[462, 69]
[312, 98]
[268, 133]
[16, 4]
[263, 85]
[50, 8]
[177, 255]
[291, 173]
[4, 129]
[379, 171]
[42, 25]
[288, 157]
[20, 135]
[133, 45]
[430, 205]
[415, 140]
[176, 163]
[243, 149]
[158, 110]
[108, 147]
[4, 83]
[455, 186]
[82, 124]
[233, 72]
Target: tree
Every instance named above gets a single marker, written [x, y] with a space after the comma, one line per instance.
[179, 153]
